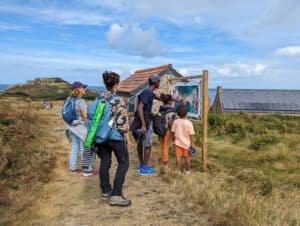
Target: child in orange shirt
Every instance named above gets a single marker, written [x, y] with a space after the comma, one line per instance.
[183, 135]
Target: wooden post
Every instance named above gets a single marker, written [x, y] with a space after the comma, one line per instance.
[204, 118]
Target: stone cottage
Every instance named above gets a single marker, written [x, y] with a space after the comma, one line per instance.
[138, 81]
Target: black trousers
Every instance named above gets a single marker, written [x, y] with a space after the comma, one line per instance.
[121, 152]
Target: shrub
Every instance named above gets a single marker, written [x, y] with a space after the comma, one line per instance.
[263, 141]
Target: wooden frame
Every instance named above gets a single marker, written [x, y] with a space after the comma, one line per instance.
[204, 111]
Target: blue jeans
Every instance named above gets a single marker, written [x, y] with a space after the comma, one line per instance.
[76, 146]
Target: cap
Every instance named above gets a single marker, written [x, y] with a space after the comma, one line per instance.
[154, 78]
[77, 84]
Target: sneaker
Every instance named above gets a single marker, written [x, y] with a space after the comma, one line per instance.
[75, 171]
[187, 171]
[87, 174]
[146, 170]
[119, 201]
[105, 196]
[139, 167]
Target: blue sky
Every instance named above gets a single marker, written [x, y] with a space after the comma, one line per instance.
[243, 44]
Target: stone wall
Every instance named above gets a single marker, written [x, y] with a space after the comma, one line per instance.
[164, 87]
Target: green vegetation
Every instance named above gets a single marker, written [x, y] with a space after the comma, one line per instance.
[254, 170]
[44, 89]
[25, 162]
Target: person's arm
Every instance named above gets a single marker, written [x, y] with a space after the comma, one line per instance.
[84, 114]
[83, 109]
[173, 129]
[192, 133]
[141, 115]
[157, 97]
[170, 121]
[126, 135]
[192, 140]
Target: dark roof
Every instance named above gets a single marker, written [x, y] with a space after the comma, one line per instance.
[261, 100]
[139, 79]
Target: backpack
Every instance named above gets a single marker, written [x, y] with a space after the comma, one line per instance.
[160, 125]
[68, 111]
[104, 131]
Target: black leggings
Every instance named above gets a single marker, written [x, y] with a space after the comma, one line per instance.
[121, 152]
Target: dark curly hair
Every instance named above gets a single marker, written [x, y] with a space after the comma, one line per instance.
[181, 110]
[165, 98]
[110, 79]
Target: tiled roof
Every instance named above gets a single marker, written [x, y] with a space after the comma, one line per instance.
[140, 77]
[260, 100]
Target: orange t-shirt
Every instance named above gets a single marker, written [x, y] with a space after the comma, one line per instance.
[183, 129]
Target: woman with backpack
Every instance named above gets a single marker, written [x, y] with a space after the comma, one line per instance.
[169, 113]
[76, 130]
[114, 123]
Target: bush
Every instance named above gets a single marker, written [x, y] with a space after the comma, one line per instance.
[261, 142]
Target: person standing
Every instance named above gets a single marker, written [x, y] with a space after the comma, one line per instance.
[169, 112]
[117, 144]
[141, 126]
[77, 130]
[183, 136]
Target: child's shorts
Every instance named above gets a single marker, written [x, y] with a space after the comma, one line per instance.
[181, 152]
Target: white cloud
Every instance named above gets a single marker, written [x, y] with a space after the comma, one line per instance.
[59, 15]
[134, 40]
[239, 70]
[12, 27]
[288, 51]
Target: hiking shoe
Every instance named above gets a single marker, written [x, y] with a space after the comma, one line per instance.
[105, 196]
[147, 170]
[119, 201]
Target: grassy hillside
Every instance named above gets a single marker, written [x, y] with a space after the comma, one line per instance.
[254, 170]
[44, 89]
[25, 161]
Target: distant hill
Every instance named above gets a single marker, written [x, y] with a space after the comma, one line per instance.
[44, 89]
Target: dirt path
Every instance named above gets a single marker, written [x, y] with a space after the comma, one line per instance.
[75, 200]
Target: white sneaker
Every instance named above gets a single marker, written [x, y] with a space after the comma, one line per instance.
[88, 174]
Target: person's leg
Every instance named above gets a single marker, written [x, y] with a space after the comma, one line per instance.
[121, 152]
[139, 147]
[187, 163]
[147, 144]
[166, 142]
[86, 160]
[161, 149]
[178, 157]
[104, 152]
[81, 147]
[186, 155]
[147, 153]
[74, 151]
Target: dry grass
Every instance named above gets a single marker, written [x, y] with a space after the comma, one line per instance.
[243, 186]
[26, 162]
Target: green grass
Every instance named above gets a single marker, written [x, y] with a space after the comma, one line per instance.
[253, 175]
[265, 144]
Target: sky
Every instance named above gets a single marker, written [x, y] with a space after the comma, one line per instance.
[243, 44]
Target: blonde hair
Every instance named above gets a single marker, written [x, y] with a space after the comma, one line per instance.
[75, 92]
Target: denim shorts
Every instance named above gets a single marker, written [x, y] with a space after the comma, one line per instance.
[144, 139]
